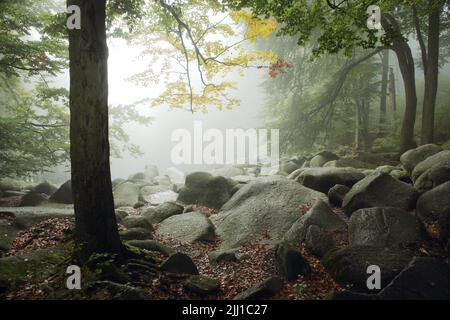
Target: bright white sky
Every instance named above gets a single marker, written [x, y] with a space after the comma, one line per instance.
[154, 140]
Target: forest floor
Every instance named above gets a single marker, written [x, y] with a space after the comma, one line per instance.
[257, 265]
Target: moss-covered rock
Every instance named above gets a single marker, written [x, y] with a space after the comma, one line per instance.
[201, 285]
[348, 266]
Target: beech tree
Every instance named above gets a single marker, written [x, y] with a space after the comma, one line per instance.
[95, 221]
[342, 29]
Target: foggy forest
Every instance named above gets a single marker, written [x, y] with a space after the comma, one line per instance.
[224, 149]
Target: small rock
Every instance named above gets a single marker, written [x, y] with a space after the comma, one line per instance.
[179, 263]
[201, 285]
[290, 263]
[162, 212]
[223, 256]
[337, 193]
[136, 222]
[136, 234]
[263, 290]
[152, 245]
[187, 227]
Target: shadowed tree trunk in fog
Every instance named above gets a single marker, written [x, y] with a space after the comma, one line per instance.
[384, 87]
[392, 90]
[96, 227]
[407, 68]
[430, 58]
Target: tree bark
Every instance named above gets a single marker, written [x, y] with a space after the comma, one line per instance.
[384, 87]
[95, 221]
[407, 69]
[392, 90]
[431, 77]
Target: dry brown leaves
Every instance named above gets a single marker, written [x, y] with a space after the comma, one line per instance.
[10, 201]
[43, 235]
[314, 286]
[205, 210]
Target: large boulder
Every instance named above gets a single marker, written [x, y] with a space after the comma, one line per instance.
[385, 227]
[140, 176]
[422, 279]
[380, 190]
[320, 215]
[323, 179]
[228, 172]
[263, 290]
[348, 265]
[162, 212]
[318, 241]
[432, 204]
[440, 159]
[187, 227]
[431, 178]
[147, 191]
[243, 179]
[289, 166]
[46, 188]
[413, 157]
[204, 189]
[63, 194]
[162, 197]
[268, 204]
[32, 199]
[349, 163]
[126, 195]
[321, 158]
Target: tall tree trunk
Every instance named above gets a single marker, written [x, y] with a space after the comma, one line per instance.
[95, 221]
[431, 77]
[407, 69]
[365, 106]
[357, 126]
[392, 90]
[384, 87]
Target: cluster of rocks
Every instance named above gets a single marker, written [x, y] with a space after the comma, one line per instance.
[383, 211]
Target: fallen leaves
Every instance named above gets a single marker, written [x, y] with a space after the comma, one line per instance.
[43, 235]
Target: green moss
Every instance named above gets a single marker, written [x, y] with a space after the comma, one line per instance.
[138, 253]
[37, 265]
[446, 146]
